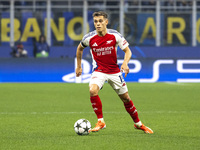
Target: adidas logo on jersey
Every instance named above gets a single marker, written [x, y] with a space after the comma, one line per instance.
[108, 42]
[95, 44]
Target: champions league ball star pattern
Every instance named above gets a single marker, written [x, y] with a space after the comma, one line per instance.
[82, 127]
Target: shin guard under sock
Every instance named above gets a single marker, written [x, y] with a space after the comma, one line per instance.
[97, 106]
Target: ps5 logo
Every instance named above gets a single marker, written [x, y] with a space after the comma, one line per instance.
[185, 68]
[181, 69]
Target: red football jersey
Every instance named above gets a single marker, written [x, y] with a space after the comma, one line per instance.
[104, 50]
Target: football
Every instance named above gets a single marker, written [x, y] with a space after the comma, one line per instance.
[82, 127]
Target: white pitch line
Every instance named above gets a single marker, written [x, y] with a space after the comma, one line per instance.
[60, 113]
[178, 83]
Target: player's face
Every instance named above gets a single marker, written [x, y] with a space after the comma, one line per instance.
[100, 23]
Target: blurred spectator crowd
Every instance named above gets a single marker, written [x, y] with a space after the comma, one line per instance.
[41, 49]
[150, 5]
[146, 5]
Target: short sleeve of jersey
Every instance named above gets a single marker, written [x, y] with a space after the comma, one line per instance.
[121, 41]
[85, 41]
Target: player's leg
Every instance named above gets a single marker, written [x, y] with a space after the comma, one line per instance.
[130, 108]
[96, 83]
[118, 84]
[96, 101]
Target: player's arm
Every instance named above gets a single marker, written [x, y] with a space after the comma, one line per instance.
[79, 54]
[127, 57]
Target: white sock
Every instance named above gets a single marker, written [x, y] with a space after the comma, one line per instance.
[101, 119]
[138, 124]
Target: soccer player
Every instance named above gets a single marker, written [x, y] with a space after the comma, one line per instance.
[103, 45]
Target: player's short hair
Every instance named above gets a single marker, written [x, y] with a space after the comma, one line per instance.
[100, 13]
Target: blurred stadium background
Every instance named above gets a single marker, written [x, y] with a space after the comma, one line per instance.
[164, 37]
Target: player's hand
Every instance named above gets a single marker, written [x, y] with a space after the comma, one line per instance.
[125, 69]
[78, 72]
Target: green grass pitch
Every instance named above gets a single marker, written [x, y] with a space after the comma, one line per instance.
[41, 116]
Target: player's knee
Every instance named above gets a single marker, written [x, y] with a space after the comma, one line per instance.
[93, 92]
[126, 100]
[125, 97]
[94, 89]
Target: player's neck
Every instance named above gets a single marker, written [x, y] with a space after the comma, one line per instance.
[102, 33]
